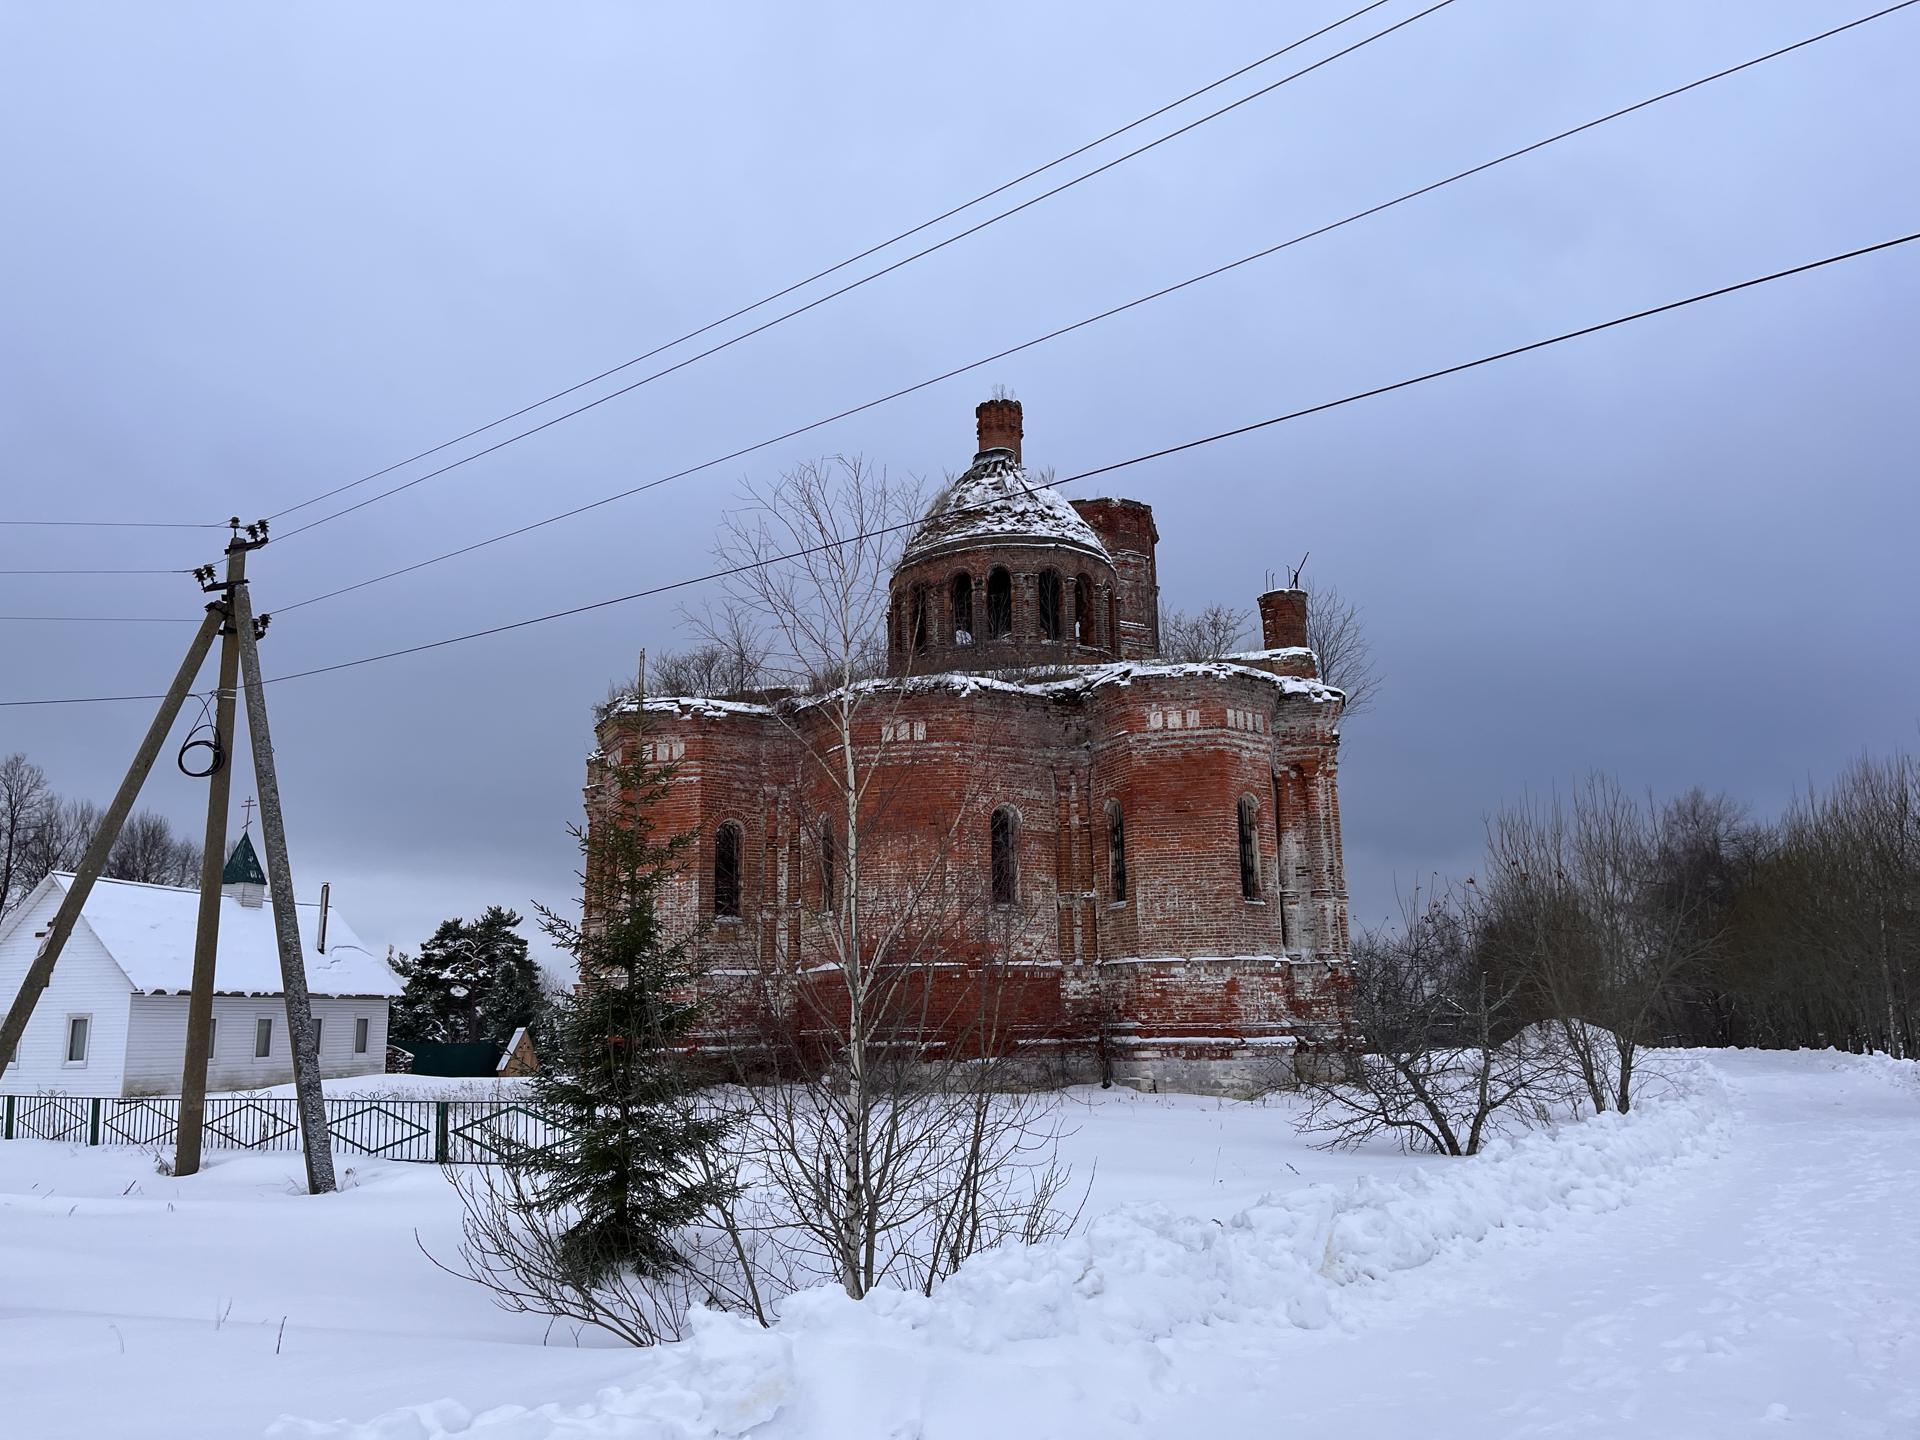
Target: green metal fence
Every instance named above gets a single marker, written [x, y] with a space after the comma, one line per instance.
[445, 1132]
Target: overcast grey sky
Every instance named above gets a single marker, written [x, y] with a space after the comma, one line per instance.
[255, 251]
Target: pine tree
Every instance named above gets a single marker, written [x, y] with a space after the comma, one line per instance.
[472, 982]
[620, 1086]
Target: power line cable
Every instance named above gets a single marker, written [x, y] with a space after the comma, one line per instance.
[120, 524]
[840, 265]
[1055, 334]
[178, 570]
[105, 619]
[1099, 470]
[830, 295]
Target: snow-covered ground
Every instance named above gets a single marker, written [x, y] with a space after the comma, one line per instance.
[1738, 1257]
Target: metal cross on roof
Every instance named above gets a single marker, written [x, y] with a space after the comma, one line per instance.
[246, 813]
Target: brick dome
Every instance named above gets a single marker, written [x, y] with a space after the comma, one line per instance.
[998, 503]
[1002, 571]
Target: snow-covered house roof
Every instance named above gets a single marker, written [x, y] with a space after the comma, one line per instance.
[149, 932]
[997, 501]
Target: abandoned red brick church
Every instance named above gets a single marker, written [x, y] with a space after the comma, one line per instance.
[1155, 846]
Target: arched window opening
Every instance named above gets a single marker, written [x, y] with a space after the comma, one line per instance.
[1249, 850]
[1280, 860]
[829, 869]
[962, 594]
[999, 603]
[1113, 622]
[918, 620]
[1083, 610]
[727, 846]
[1006, 859]
[1116, 853]
[1050, 604]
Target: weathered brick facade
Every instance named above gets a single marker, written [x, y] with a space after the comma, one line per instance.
[1204, 954]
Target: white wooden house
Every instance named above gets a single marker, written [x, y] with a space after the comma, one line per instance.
[114, 1019]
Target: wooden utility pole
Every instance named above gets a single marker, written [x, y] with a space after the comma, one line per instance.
[315, 1141]
[95, 860]
[206, 939]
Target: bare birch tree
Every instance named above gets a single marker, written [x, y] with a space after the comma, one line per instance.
[1337, 637]
[883, 1142]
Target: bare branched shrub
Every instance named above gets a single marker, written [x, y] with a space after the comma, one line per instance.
[1210, 634]
[529, 1256]
[1441, 1061]
[730, 659]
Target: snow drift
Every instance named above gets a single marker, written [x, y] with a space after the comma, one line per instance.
[1134, 1276]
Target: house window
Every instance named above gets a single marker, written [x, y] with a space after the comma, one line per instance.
[829, 865]
[962, 595]
[1249, 850]
[1083, 609]
[1050, 604]
[999, 603]
[1006, 859]
[79, 1032]
[726, 871]
[1116, 854]
[262, 1038]
[361, 1027]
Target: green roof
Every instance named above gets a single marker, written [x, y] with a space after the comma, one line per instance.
[451, 1060]
[243, 866]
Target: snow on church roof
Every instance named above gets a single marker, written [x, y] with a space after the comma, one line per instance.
[149, 931]
[996, 500]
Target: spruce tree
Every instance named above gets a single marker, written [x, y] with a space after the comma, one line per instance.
[473, 981]
[619, 1086]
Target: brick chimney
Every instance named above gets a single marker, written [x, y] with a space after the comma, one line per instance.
[999, 423]
[1283, 619]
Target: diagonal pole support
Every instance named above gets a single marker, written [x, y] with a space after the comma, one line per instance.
[95, 860]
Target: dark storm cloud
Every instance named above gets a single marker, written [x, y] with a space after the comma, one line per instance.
[253, 252]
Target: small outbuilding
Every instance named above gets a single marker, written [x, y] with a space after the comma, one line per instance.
[114, 1019]
[466, 1060]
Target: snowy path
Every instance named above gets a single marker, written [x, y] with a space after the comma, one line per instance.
[1774, 1290]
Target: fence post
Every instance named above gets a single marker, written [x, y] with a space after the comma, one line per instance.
[439, 1132]
[93, 1122]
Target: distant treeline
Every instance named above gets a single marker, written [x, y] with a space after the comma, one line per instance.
[41, 832]
[1687, 921]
